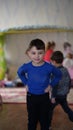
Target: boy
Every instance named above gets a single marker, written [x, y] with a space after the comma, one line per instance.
[59, 92]
[36, 76]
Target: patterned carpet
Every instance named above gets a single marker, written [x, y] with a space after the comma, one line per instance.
[18, 95]
[70, 96]
[13, 95]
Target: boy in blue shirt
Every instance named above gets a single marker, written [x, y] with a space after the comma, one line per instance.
[36, 76]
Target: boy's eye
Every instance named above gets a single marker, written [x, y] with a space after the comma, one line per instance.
[33, 53]
[40, 53]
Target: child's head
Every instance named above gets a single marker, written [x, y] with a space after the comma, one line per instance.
[57, 57]
[66, 45]
[36, 50]
[51, 45]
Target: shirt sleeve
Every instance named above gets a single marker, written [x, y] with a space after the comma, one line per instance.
[54, 91]
[22, 74]
[56, 76]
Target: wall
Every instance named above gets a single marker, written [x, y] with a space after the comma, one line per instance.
[16, 45]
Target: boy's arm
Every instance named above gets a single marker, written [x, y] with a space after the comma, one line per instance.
[54, 91]
[53, 94]
[57, 75]
[22, 75]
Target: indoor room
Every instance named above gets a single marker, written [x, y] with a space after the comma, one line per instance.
[20, 23]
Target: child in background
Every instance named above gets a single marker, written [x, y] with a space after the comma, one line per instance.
[36, 76]
[68, 63]
[49, 51]
[67, 48]
[59, 92]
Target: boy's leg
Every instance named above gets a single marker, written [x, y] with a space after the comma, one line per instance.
[51, 113]
[63, 102]
[51, 109]
[44, 111]
[32, 109]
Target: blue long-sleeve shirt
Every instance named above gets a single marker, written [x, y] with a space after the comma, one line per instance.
[37, 78]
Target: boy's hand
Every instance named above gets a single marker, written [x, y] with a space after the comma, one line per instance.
[26, 88]
[48, 89]
[53, 100]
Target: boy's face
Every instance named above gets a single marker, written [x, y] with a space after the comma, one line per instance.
[36, 55]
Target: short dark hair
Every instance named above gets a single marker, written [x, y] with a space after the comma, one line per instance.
[38, 43]
[57, 56]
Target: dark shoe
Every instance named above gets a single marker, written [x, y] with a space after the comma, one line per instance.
[71, 116]
[50, 128]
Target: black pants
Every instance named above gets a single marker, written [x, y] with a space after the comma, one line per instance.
[62, 100]
[38, 110]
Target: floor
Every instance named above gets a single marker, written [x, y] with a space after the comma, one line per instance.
[14, 117]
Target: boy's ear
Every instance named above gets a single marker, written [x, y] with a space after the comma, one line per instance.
[53, 62]
[28, 53]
